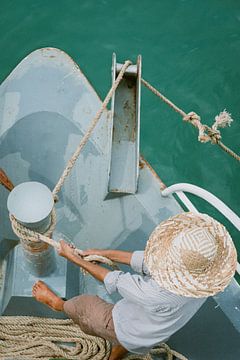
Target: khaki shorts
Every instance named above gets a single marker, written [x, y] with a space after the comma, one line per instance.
[93, 315]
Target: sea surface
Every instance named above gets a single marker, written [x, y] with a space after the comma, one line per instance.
[190, 51]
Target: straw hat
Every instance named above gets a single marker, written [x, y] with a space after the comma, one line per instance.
[191, 255]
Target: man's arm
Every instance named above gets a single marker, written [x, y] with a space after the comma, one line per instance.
[123, 257]
[95, 270]
[134, 259]
[131, 287]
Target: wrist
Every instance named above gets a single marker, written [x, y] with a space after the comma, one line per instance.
[72, 257]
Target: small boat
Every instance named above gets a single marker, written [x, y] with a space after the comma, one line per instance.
[46, 105]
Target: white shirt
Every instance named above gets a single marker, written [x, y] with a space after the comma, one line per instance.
[148, 314]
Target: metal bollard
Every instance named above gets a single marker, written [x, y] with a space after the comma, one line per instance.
[31, 203]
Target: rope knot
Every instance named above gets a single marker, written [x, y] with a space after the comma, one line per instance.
[192, 117]
[214, 135]
[206, 133]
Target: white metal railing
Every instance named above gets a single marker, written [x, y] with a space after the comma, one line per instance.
[206, 195]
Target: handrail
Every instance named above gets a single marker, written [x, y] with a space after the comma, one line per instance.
[185, 200]
[209, 197]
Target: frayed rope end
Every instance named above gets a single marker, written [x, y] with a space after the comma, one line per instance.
[222, 120]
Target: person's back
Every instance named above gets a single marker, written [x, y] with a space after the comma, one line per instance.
[148, 314]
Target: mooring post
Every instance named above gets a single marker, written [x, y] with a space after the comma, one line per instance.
[31, 203]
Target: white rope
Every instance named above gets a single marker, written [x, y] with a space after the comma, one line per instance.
[205, 132]
[28, 337]
[24, 337]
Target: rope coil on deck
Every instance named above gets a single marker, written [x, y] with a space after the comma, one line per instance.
[28, 337]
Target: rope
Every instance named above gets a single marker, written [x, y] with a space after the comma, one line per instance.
[25, 337]
[34, 241]
[28, 337]
[229, 151]
[162, 349]
[206, 133]
[30, 238]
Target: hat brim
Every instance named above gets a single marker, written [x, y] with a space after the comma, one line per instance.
[176, 277]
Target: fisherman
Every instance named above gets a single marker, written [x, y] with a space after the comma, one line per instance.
[188, 258]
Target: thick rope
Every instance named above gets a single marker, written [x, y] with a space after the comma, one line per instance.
[30, 237]
[87, 135]
[25, 337]
[162, 349]
[28, 337]
[206, 133]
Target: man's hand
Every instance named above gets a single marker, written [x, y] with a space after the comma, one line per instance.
[119, 256]
[67, 250]
[95, 252]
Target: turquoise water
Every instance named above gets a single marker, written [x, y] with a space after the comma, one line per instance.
[191, 52]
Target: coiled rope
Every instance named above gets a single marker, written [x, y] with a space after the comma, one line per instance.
[25, 337]
[206, 133]
[28, 337]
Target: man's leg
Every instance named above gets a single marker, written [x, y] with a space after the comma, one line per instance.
[43, 294]
[118, 352]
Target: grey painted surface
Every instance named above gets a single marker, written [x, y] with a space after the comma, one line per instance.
[209, 335]
[125, 110]
[229, 301]
[46, 105]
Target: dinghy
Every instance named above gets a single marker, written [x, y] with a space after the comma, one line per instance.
[112, 198]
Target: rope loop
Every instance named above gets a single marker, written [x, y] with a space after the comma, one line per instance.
[31, 240]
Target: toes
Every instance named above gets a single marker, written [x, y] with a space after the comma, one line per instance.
[41, 285]
[34, 289]
[37, 286]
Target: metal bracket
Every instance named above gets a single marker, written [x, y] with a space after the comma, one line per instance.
[125, 110]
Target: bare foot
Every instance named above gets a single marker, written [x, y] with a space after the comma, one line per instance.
[43, 294]
[118, 352]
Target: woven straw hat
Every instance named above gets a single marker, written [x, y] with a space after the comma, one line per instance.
[191, 255]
